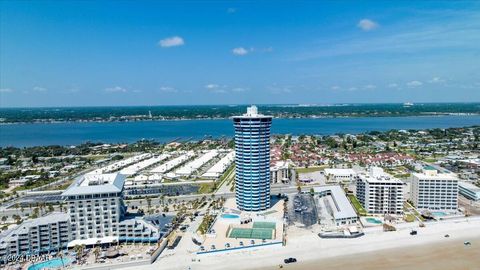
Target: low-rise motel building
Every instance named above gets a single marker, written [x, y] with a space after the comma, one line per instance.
[337, 204]
[339, 175]
[469, 191]
[434, 190]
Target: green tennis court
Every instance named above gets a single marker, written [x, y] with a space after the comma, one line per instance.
[264, 225]
[255, 233]
[261, 233]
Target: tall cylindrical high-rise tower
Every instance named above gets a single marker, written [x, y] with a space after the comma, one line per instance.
[252, 160]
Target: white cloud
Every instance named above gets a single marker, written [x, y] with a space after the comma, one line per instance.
[239, 89]
[335, 87]
[39, 89]
[370, 87]
[231, 10]
[352, 89]
[392, 85]
[436, 80]
[212, 86]
[116, 89]
[171, 42]
[414, 84]
[367, 24]
[168, 89]
[5, 90]
[215, 88]
[240, 51]
[460, 32]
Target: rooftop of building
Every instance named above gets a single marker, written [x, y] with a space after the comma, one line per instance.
[343, 208]
[252, 112]
[377, 175]
[336, 171]
[469, 186]
[96, 184]
[281, 164]
[431, 173]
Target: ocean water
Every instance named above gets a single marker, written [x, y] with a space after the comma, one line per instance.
[22, 135]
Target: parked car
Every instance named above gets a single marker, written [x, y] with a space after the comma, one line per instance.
[447, 235]
[467, 243]
[413, 232]
[290, 260]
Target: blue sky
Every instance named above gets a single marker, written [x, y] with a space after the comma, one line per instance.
[88, 53]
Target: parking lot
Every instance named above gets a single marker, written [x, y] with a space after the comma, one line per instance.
[471, 207]
[315, 177]
[302, 210]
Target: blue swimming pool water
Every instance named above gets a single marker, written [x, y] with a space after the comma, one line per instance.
[374, 221]
[230, 216]
[439, 214]
[51, 264]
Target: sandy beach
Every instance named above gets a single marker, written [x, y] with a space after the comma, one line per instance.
[430, 249]
[451, 254]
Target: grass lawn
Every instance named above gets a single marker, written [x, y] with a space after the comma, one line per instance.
[416, 213]
[227, 176]
[206, 222]
[409, 218]
[63, 186]
[356, 204]
[206, 188]
[310, 169]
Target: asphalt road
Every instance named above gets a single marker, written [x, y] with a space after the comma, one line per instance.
[156, 200]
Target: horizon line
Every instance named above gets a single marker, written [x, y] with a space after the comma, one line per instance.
[243, 104]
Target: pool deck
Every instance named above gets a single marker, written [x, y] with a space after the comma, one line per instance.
[67, 262]
[222, 225]
[366, 223]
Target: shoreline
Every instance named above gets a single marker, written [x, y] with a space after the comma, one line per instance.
[367, 251]
[451, 254]
[165, 131]
[82, 121]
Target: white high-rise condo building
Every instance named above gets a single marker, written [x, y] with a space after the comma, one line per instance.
[434, 190]
[95, 205]
[97, 212]
[252, 160]
[379, 192]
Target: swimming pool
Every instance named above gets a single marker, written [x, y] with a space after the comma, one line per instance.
[439, 214]
[51, 264]
[230, 216]
[373, 220]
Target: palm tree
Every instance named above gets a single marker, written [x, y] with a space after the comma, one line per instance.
[79, 250]
[149, 204]
[96, 252]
